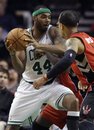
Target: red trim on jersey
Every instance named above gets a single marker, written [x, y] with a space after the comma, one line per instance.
[88, 43]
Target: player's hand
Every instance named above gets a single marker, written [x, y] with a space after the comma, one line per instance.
[40, 82]
[38, 53]
[86, 109]
[10, 48]
[31, 40]
[82, 87]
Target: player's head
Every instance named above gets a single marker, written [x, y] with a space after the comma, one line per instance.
[68, 20]
[42, 18]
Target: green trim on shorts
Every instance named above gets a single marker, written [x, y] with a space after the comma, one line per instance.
[58, 100]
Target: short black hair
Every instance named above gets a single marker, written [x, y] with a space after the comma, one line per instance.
[69, 18]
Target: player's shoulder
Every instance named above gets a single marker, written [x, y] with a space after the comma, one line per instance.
[53, 28]
[74, 40]
[53, 31]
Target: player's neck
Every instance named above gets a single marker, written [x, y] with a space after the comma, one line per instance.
[37, 34]
[70, 32]
[73, 30]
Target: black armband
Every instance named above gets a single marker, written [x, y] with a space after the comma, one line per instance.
[63, 64]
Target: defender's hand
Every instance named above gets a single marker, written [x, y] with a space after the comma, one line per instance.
[82, 87]
[40, 82]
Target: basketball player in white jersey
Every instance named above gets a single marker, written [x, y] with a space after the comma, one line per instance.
[27, 99]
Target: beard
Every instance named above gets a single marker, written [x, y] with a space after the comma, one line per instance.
[42, 28]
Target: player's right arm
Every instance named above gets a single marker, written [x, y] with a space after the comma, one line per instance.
[58, 46]
[17, 61]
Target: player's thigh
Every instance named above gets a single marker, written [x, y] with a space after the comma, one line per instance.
[26, 103]
[58, 93]
[21, 111]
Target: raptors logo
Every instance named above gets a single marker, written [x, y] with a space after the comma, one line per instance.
[86, 110]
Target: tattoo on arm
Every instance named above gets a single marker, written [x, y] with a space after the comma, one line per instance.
[57, 38]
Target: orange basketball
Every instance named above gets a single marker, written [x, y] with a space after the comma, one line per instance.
[16, 38]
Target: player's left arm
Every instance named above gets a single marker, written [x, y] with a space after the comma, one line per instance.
[74, 47]
[58, 46]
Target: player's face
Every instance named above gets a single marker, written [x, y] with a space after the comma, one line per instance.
[43, 21]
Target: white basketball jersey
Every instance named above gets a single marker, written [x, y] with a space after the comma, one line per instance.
[35, 68]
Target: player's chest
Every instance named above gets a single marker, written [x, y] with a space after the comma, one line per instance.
[39, 63]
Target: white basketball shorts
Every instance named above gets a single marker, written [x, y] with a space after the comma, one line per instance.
[28, 100]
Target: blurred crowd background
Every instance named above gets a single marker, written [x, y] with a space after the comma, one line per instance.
[17, 13]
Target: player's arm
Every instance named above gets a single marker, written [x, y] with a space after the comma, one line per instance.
[58, 42]
[17, 61]
[73, 48]
[58, 46]
[52, 58]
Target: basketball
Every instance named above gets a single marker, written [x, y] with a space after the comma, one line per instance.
[16, 38]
